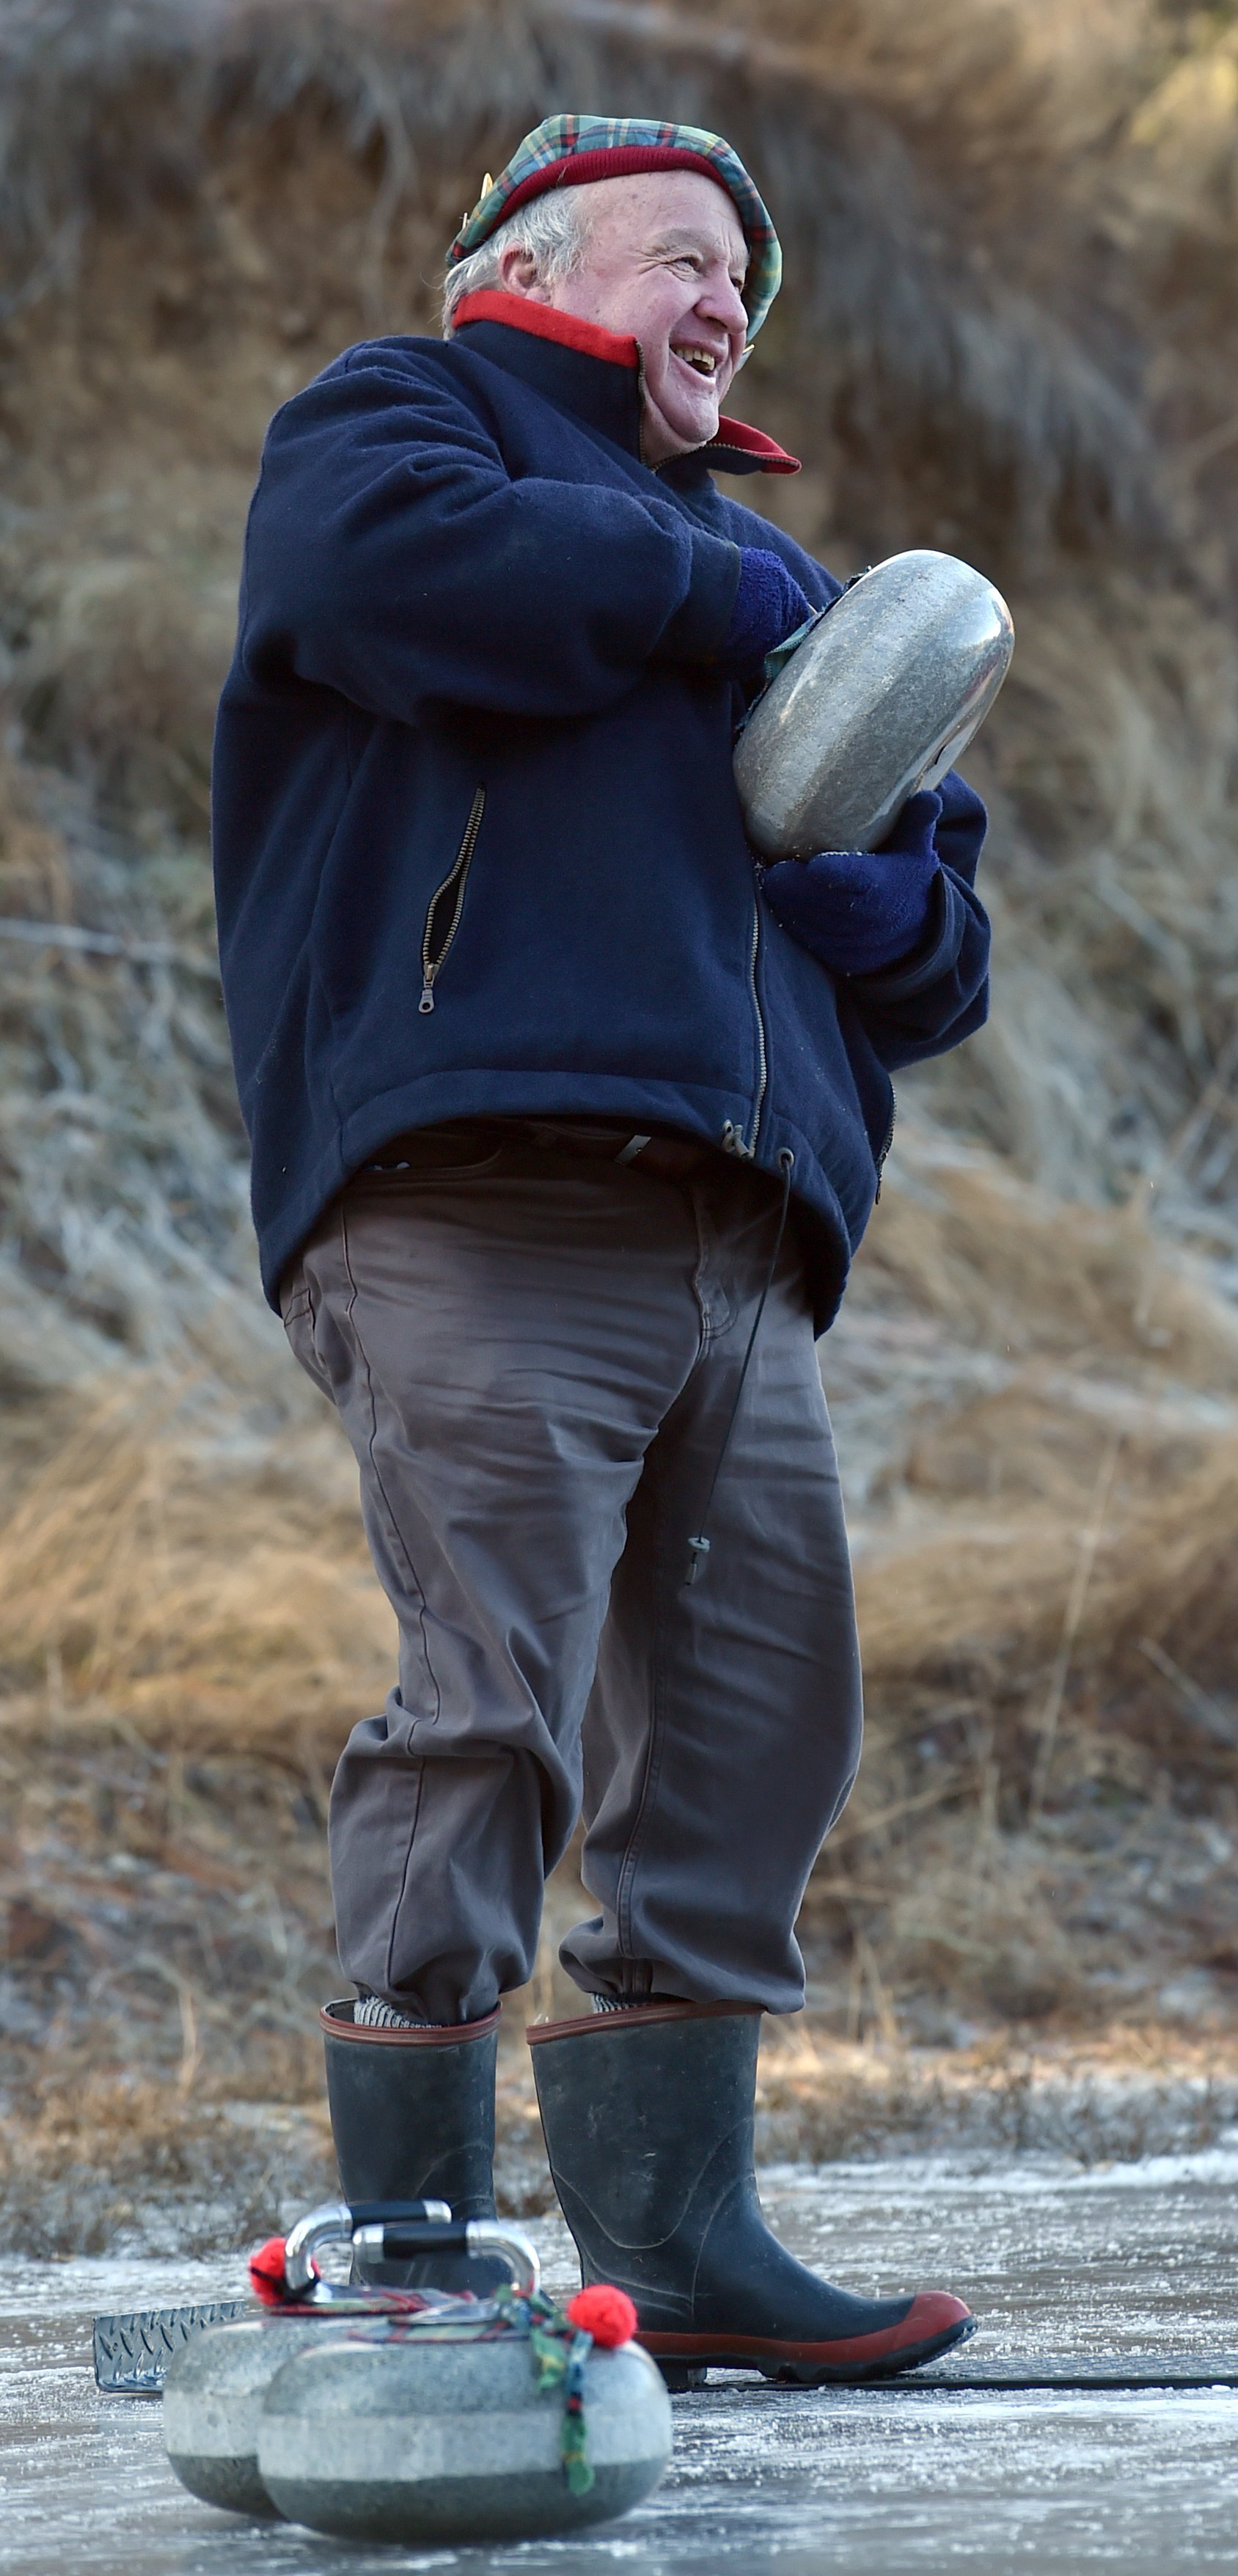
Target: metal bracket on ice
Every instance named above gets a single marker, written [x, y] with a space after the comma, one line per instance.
[132, 2353]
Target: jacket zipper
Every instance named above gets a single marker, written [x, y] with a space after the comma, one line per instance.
[733, 1138]
[434, 959]
[881, 1158]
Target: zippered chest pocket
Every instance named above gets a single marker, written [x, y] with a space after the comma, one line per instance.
[446, 905]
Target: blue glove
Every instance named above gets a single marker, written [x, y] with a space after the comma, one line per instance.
[769, 605]
[859, 911]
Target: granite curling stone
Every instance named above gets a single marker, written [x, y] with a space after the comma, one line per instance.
[215, 2384]
[878, 699]
[450, 2418]
[381, 2437]
[211, 2398]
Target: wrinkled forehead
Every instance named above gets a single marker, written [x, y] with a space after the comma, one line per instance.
[660, 209]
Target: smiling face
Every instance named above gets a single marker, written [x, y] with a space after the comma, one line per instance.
[664, 260]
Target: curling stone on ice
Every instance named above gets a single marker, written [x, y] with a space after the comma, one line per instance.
[451, 2435]
[215, 2384]
[446, 2419]
[879, 699]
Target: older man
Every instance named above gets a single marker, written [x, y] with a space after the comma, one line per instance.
[554, 1097]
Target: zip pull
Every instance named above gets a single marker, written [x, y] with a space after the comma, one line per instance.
[427, 996]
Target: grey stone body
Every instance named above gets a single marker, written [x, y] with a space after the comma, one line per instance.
[879, 700]
[379, 2440]
[211, 2403]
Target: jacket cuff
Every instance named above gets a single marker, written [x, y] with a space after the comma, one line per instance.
[934, 955]
[697, 630]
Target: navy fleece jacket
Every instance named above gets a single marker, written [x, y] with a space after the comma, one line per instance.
[478, 848]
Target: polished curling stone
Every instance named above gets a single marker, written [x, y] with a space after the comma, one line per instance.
[215, 2384]
[381, 2438]
[211, 2398]
[448, 2418]
[880, 699]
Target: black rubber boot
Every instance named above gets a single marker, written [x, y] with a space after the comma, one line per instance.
[648, 2118]
[412, 2116]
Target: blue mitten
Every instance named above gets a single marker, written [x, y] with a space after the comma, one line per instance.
[861, 910]
[769, 605]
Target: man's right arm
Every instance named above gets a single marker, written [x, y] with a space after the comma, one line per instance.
[392, 558]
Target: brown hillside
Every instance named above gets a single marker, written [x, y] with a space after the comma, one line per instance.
[1008, 329]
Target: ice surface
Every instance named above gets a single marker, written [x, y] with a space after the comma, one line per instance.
[775, 2481]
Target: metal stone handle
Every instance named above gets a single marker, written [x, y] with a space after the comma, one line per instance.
[396, 2230]
[334, 2222]
[366, 2213]
[468, 2235]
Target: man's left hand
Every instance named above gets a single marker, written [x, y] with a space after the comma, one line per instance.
[769, 605]
[859, 911]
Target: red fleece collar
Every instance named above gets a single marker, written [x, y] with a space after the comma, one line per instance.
[542, 322]
[745, 441]
[490, 304]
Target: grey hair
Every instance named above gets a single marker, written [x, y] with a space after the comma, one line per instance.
[554, 229]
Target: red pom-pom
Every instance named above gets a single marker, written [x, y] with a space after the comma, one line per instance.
[266, 2273]
[603, 2312]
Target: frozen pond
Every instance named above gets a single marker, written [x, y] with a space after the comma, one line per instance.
[1135, 2258]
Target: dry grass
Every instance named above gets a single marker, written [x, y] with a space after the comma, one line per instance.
[1009, 330]
[820, 2099]
[143, 1573]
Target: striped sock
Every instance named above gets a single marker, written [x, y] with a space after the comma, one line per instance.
[371, 2013]
[630, 2003]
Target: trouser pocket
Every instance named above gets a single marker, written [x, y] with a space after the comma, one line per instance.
[296, 1306]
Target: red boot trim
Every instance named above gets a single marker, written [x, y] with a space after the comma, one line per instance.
[932, 2318]
[631, 2017]
[336, 2019]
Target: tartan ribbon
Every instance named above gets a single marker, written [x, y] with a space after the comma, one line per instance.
[560, 2351]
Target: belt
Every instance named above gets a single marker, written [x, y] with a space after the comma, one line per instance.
[668, 1158]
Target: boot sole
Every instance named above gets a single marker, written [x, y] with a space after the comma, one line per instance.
[690, 2353]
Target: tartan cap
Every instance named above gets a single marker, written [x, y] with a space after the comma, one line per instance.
[568, 151]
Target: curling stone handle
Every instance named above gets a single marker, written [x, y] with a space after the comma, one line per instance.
[396, 2230]
[497, 2236]
[387, 2213]
[399, 2240]
[335, 2223]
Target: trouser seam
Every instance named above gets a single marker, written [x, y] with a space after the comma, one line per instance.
[708, 1332]
[376, 1471]
[402, 1546]
[653, 1750]
[398, 1907]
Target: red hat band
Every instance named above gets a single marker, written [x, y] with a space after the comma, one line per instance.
[623, 161]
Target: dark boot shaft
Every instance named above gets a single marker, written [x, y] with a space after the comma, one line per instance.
[648, 2118]
[412, 2116]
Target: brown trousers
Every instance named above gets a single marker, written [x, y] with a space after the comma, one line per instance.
[534, 1357]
